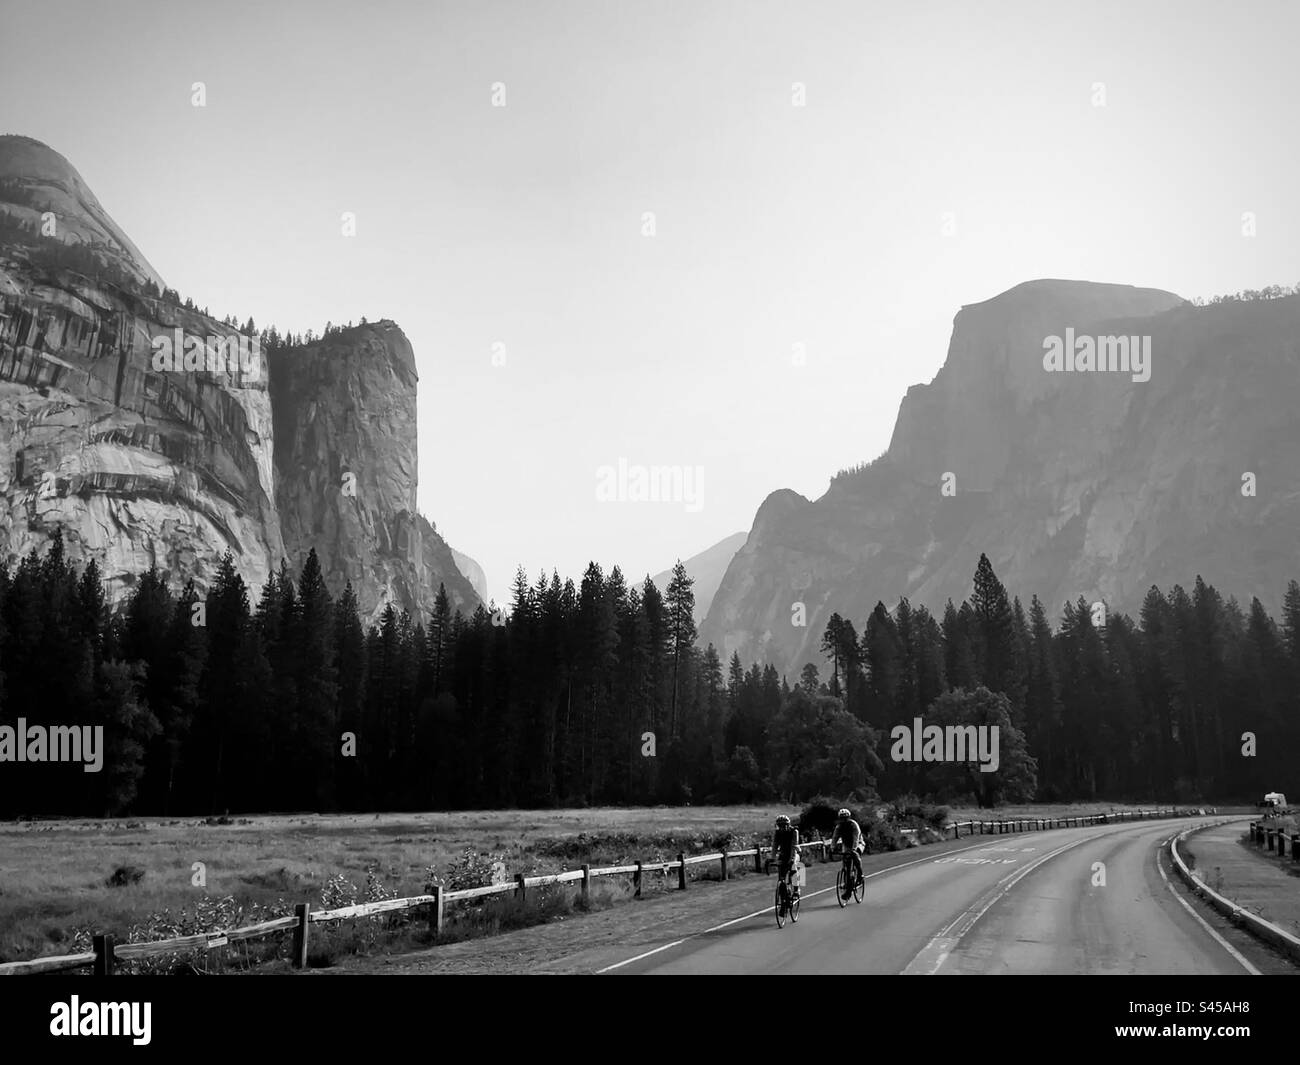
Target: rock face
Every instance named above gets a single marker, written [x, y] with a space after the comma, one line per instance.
[143, 462]
[346, 458]
[1074, 483]
[39, 180]
[707, 570]
[473, 573]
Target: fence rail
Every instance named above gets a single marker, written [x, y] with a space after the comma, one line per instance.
[1252, 922]
[1275, 838]
[106, 953]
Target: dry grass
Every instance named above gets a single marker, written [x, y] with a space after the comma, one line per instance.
[53, 874]
[1047, 810]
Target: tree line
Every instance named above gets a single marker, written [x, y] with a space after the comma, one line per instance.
[596, 693]
[1195, 699]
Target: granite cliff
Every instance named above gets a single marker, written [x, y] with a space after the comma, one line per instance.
[145, 462]
[1082, 483]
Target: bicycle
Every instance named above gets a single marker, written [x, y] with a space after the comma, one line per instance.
[787, 898]
[848, 874]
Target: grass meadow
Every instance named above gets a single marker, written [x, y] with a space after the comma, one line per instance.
[61, 881]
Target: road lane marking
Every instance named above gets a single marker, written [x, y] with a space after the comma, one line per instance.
[978, 861]
[767, 910]
[931, 958]
[717, 927]
[1218, 938]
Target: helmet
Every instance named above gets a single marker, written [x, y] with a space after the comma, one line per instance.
[783, 822]
[844, 814]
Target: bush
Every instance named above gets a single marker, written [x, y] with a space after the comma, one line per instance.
[470, 870]
[124, 875]
[909, 812]
[208, 914]
[882, 836]
[819, 816]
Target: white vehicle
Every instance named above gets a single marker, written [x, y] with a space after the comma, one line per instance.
[1275, 801]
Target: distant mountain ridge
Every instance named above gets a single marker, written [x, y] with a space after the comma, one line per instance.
[706, 569]
[473, 573]
[1075, 484]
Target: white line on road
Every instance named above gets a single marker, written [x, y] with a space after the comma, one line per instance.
[768, 910]
[936, 952]
[1218, 938]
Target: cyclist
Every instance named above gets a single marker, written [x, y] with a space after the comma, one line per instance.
[848, 833]
[785, 849]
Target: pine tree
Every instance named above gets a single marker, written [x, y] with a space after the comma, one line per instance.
[833, 647]
[680, 604]
[809, 680]
[316, 689]
[993, 635]
[350, 679]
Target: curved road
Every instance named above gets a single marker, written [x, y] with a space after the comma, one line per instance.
[1084, 900]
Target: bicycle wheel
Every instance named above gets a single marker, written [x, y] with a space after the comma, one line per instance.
[859, 886]
[780, 906]
[794, 907]
[839, 888]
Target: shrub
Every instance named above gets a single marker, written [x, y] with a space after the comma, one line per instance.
[819, 817]
[208, 914]
[882, 836]
[124, 875]
[909, 812]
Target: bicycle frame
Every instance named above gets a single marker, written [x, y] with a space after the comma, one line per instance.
[846, 862]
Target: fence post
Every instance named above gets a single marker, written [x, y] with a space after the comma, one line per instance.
[437, 909]
[636, 880]
[104, 956]
[758, 859]
[301, 911]
[724, 864]
[681, 872]
[520, 887]
[1269, 832]
[586, 882]
[1295, 847]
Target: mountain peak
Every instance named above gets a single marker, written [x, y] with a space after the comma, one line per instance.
[1075, 483]
[36, 181]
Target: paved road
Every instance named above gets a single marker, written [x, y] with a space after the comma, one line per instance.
[1030, 903]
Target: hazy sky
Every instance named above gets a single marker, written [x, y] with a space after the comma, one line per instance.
[775, 225]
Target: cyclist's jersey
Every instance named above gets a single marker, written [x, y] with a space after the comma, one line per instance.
[785, 842]
[848, 832]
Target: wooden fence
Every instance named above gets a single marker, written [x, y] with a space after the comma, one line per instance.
[1275, 838]
[1252, 922]
[104, 956]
